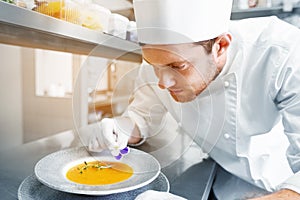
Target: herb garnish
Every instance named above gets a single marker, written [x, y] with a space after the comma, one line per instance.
[98, 165]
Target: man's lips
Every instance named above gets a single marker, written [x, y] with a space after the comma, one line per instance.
[175, 91]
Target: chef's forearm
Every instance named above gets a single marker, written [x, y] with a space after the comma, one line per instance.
[130, 128]
[292, 183]
[135, 136]
[289, 190]
[284, 194]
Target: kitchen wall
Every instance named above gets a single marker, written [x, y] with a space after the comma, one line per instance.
[23, 115]
[42, 116]
[11, 115]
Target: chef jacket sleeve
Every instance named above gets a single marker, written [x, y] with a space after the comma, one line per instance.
[146, 109]
[288, 102]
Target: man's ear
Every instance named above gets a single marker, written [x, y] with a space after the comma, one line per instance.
[221, 44]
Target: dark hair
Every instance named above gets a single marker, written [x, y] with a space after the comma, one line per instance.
[207, 44]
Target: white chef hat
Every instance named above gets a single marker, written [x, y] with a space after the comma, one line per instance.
[180, 21]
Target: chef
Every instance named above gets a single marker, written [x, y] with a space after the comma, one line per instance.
[233, 86]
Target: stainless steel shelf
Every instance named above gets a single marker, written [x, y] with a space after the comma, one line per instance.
[26, 28]
[261, 12]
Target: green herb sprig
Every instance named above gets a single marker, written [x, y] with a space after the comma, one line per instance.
[99, 166]
[9, 1]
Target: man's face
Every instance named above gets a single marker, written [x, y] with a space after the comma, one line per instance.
[185, 70]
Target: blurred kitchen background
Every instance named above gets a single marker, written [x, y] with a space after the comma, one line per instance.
[39, 76]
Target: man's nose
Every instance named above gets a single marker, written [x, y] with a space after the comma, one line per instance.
[166, 79]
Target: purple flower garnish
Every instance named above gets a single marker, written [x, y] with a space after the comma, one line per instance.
[119, 153]
[118, 157]
[124, 151]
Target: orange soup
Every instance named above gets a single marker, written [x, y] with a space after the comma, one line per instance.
[99, 173]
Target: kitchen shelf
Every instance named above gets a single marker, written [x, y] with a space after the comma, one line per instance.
[261, 12]
[26, 28]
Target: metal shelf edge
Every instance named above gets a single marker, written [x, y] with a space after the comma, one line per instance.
[41, 31]
[261, 12]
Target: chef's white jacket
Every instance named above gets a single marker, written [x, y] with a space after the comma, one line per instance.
[233, 120]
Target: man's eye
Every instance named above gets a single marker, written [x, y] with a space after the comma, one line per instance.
[180, 67]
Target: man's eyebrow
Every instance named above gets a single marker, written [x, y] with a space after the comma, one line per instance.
[169, 64]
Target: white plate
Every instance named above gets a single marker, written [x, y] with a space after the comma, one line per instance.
[31, 189]
[51, 171]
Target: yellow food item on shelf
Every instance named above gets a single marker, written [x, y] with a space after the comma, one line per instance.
[70, 15]
[51, 8]
[91, 16]
[90, 20]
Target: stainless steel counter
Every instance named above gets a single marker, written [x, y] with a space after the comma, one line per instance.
[188, 176]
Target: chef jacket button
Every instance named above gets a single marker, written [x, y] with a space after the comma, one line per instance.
[226, 136]
[226, 84]
[179, 124]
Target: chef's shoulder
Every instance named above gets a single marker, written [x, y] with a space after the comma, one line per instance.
[265, 31]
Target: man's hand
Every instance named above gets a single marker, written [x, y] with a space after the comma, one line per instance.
[106, 134]
[111, 133]
[284, 194]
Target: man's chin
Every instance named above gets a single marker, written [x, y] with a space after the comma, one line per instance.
[182, 98]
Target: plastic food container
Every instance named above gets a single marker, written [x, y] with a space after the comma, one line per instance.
[95, 17]
[50, 7]
[28, 4]
[131, 34]
[71, 12]
[118, 25]
[67, 10]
